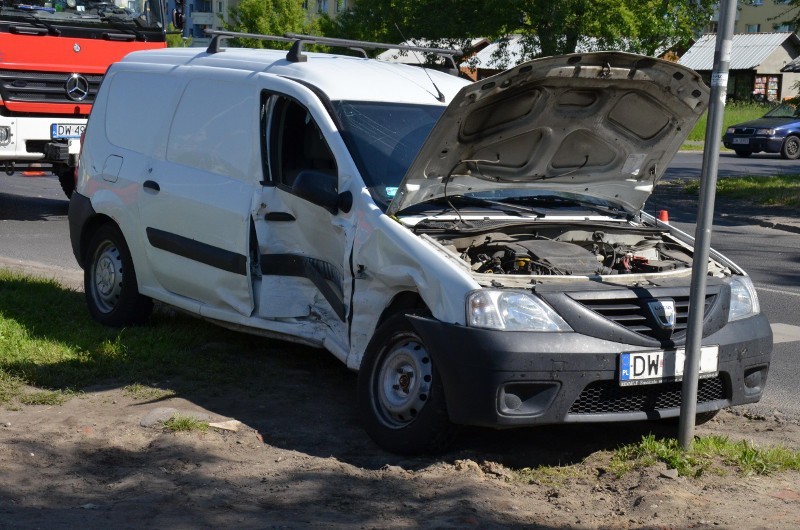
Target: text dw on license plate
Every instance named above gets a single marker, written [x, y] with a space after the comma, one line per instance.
[66, 130]
[642, 368]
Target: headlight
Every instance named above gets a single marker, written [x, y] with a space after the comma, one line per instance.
[512, 311]
[5, 135]
[730, 130]
[744, 300]
[766, 132]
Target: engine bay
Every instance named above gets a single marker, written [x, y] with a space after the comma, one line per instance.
[568, 250]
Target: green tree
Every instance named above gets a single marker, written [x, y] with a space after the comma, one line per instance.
[267, 17]
[175, 38]
[548, 27]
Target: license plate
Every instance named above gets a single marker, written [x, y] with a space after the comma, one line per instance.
[744, 141]
[651, 367]
[66, 130]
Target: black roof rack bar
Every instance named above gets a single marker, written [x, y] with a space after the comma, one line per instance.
[296, 53]
[217, 35]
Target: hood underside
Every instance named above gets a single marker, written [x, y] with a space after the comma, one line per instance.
[602, 124]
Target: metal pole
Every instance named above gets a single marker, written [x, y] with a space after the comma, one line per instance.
[705, 215]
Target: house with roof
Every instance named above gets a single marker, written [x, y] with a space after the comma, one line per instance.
[756, 67]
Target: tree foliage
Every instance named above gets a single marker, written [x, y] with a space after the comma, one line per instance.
[547, 27]
[267, 17]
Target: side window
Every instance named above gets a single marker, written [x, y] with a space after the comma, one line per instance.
[294, 142]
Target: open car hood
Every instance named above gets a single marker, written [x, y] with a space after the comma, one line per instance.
[602, 124]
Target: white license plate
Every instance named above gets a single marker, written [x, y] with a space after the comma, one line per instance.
[66, 130]
[651, 367]
[744, 141]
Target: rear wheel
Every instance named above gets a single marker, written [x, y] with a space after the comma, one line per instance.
[791, 148]
[400, 395]
[744, 153]
[109, 279]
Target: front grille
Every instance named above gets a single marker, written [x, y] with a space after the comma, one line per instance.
[634, 314]
[749, 131]
[608, 397]
[43, 87]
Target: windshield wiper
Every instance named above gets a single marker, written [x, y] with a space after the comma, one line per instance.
[558, 202]
[25, 14]
[117, 21]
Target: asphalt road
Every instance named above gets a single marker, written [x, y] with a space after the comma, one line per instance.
[33, 230]
[687, 164]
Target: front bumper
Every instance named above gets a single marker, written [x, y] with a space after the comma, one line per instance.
[756, 144]
[507, 379]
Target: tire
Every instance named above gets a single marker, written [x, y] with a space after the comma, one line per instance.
[109, 281]
[791, 148]
[743, 153]
[66, 177]
[400, 394]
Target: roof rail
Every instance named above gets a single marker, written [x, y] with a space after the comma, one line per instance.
[296, 55]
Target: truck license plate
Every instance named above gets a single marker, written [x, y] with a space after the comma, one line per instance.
[66, 130]
[651, 367]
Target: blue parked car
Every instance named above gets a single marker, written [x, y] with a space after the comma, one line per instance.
[778, 131]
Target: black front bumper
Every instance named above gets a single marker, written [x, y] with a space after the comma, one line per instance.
[507, 379]
[755, 144]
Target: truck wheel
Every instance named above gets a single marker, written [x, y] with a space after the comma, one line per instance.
[400, 395]
[109, 281]
[66, 177]
[791, 148]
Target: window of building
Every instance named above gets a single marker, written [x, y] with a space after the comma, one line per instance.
[782, 28]
[752, 28]
[322, 5]
[341, 5]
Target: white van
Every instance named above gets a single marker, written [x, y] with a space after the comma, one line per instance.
[477, 251]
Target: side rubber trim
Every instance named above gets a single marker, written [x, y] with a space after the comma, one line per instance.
[197, 251]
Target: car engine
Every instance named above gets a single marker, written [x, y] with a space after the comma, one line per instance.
[565, 251]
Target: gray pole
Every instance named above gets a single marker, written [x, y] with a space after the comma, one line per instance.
[705, 215]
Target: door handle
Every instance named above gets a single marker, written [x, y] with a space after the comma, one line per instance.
[279, 216]
[151, 185]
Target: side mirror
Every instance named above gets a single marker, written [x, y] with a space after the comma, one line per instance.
[178, 16]
[320, 188]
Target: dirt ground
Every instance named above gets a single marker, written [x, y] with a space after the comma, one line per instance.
[301, 459]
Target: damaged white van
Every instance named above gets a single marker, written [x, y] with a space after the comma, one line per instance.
[477, 251]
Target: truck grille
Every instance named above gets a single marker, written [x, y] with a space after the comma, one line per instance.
[634, 314]
[608, 397]
[43, 87]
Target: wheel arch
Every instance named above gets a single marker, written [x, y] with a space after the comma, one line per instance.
[91, 226]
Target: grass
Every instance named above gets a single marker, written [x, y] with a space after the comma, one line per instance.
[779, 190]
[709, 454]
[48, 341]
[735, 112]
[180, 423]
[146, 393]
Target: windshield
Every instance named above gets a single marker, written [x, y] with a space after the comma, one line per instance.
[383, 139]
[140, 19]
[783, 111]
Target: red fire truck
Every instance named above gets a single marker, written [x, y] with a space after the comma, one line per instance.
[53, 54]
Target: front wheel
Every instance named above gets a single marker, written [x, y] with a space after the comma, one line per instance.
[109, 281]
[791, 148]
[400, 395]
[66, 177]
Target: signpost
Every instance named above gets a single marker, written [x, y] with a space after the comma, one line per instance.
[705, 214]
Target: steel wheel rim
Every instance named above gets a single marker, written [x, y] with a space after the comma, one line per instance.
[792, 146]
[404, 383]
[106, 280]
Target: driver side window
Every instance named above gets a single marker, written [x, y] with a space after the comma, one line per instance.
[294, 142]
